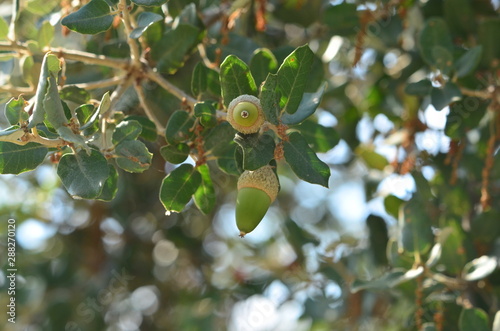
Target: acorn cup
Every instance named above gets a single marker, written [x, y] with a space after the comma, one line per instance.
[245, 114]
[256, 191]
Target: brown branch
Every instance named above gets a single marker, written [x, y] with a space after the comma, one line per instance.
[86, 57]
[483, 94]
[169, 87]
[160, 129]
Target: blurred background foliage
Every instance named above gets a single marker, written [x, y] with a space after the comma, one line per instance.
[406, 238]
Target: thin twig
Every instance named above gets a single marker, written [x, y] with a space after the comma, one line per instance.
[20, 138]
[134, 49]
[86, 57]
[169, 87]
[101, 83]
[16, 90]
[120, 90]
[483, 94]
[160, 129]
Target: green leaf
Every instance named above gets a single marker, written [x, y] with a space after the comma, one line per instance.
[269, 99]
[220, 139]
[388, 280]
[178, 187]
[206, 113]
[421, 88]
[175, 153]
[52, 104]
[105, 103]
[292, 78]
[417, 231]
[4, 29]
[179, 127]
[149, 2]
[83, 175]
[15, 159]
[487, 36]
[144, 20]
[392, 204]
[304, 161]
[453, 252]
[473, 319]
[443, 59]
[133, 156]
[199, 82]
[110, 186]
[205, 80]
[87, 114]
[14, 110]
[479, 268]
[235, 79]
[126, 130]
[379, 238]
[258, 149]
[45, 34]
[228, 163]
[204, 197]
[465, 114]
[171, 50]
[48, 65]
[148, 127]
[435, 41]
[459, 15]
[466, 64]
[321, 138]
[307, 107]
[372, 159]
[343, 19]
[74, 94]
[442, 97]
[92, 18]
[68, 135]
[29, 69]
[262, 63]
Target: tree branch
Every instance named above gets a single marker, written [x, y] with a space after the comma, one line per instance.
[21, 138]
[16, 90]
[134, 49]
[86, 57]
[169, 87]
[160, 129]
[483, 94]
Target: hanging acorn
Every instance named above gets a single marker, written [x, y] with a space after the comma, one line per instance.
[256, 191]
[245, 114]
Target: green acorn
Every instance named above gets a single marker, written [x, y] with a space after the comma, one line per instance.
[245, 114]
[256, 191]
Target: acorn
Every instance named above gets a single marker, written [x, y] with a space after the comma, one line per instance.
[245, 114]
[256, 191]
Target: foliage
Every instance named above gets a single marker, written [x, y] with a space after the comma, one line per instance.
[129, 99]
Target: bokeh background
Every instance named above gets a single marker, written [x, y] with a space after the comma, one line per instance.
[126, 265]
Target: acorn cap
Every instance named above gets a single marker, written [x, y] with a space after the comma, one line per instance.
[263, 178]
[259, 117]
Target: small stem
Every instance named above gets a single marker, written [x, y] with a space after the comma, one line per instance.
[115, 96]
[134, 49]
[160, 129]
[169, 87]
[15, 90]
[101, 83]
[86, 57]
[32, 138]
[483, 94]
